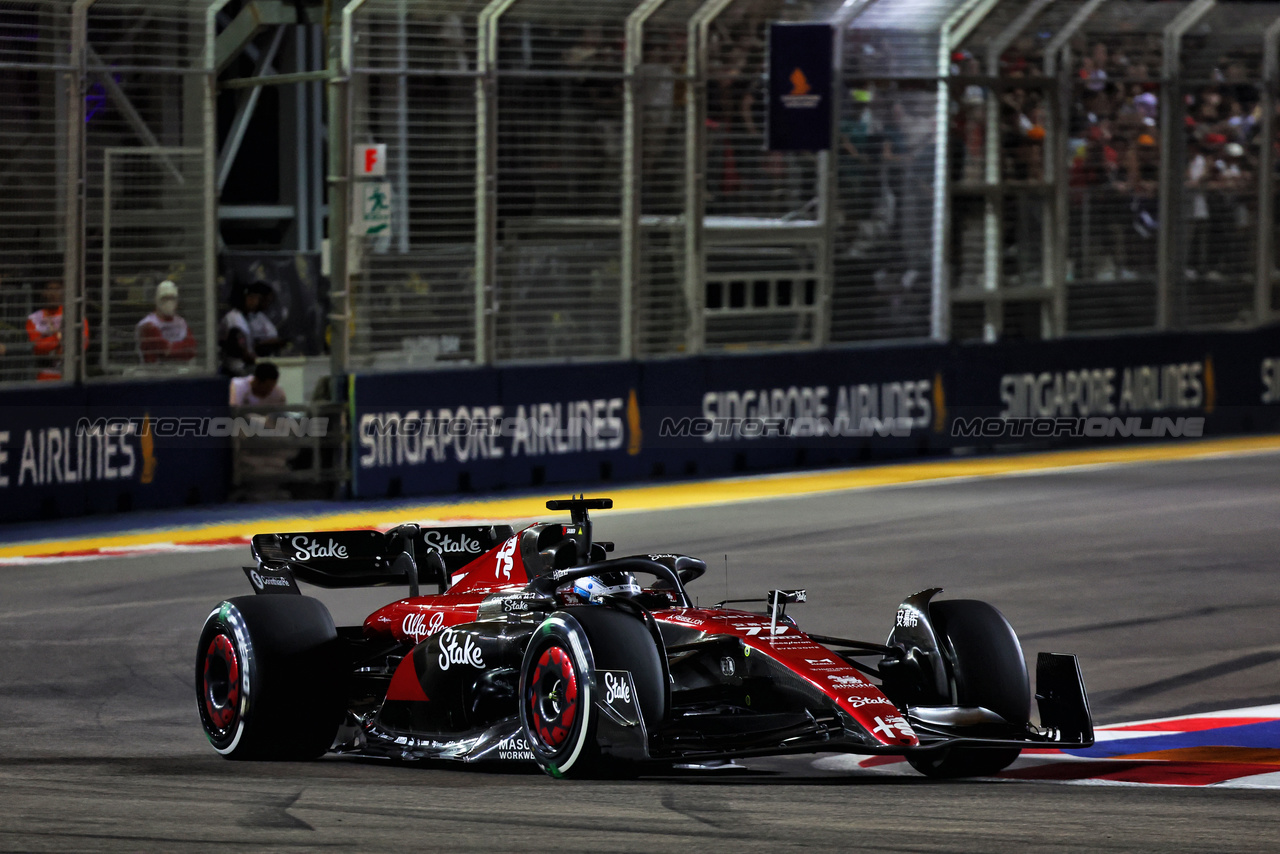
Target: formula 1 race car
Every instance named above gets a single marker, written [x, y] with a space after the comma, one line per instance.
[539, 647]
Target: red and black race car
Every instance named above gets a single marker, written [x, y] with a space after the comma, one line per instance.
[539, 647]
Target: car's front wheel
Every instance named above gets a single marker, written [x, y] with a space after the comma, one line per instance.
[986, 668]
[558, 690]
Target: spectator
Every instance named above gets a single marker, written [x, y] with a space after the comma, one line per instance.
[266, 339]
[163, 335]
[860, 146]
[245, 332]
[235, 341]
[1199, 176]
[44, 330]
[260, 389]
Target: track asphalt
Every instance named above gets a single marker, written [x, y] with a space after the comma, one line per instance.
[233, 524]
[1156, 567]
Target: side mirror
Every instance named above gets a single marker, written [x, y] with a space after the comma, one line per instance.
[778, 600]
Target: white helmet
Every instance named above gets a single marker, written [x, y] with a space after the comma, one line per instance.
[592, 588]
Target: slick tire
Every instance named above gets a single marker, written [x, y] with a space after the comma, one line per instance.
[268, 683]
[986, 668]
[558, 693]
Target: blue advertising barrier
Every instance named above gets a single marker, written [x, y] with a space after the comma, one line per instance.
[71, 450]
[725, 414]
[445, 431]
[1224, 381]
[845, 406]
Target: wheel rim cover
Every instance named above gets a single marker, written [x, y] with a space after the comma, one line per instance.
[221, 682]
[553, 699]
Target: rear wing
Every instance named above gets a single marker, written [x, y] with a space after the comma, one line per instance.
[339, 559]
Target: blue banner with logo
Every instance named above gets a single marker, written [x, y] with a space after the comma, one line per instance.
[800, 86]
[72, 450]
[708, 416]
[483, 428]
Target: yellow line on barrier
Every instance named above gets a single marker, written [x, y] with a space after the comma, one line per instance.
[665, 496]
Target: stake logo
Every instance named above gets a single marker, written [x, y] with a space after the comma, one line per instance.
[452, 652]
[616, 688]
[308, 549]
[446, 544]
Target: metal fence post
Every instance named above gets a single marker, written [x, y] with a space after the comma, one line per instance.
[1266, 174]
[1056, 65]
[73, 357]
[956, 29]
[400, 219]
[829, 188]
[1054, 232]
[1172, 150]
[940, 315]
[339, 181]
[487, 176]
[211, 193]
[632, 164]
[992, 217]
[829, 179]
[696, 172]
[996, 49]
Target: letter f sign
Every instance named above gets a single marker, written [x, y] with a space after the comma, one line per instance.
[372, 160]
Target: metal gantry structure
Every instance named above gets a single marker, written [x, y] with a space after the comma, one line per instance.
[562, 181]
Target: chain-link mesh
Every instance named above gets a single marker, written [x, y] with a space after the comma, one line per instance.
[967, 110]
[1270, 297]
[560, 78]
[1221, 71]
[413, 90]
[560, 141]
[764, 296]
[897, 39]
[149, 197]
[1002, 189]
[1113, 143]
[744, 178]
[1027, 53]
[763, 237]
[560, 115]
[885, 155]
[34, 57]
[146, 217]
[662, 315]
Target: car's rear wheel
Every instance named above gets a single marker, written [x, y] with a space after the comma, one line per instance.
[558, 692]
[986, 668]
[267, 678]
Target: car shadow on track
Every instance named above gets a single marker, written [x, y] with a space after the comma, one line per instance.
[355, 768]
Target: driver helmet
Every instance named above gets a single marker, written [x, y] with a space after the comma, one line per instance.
[593, 588]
